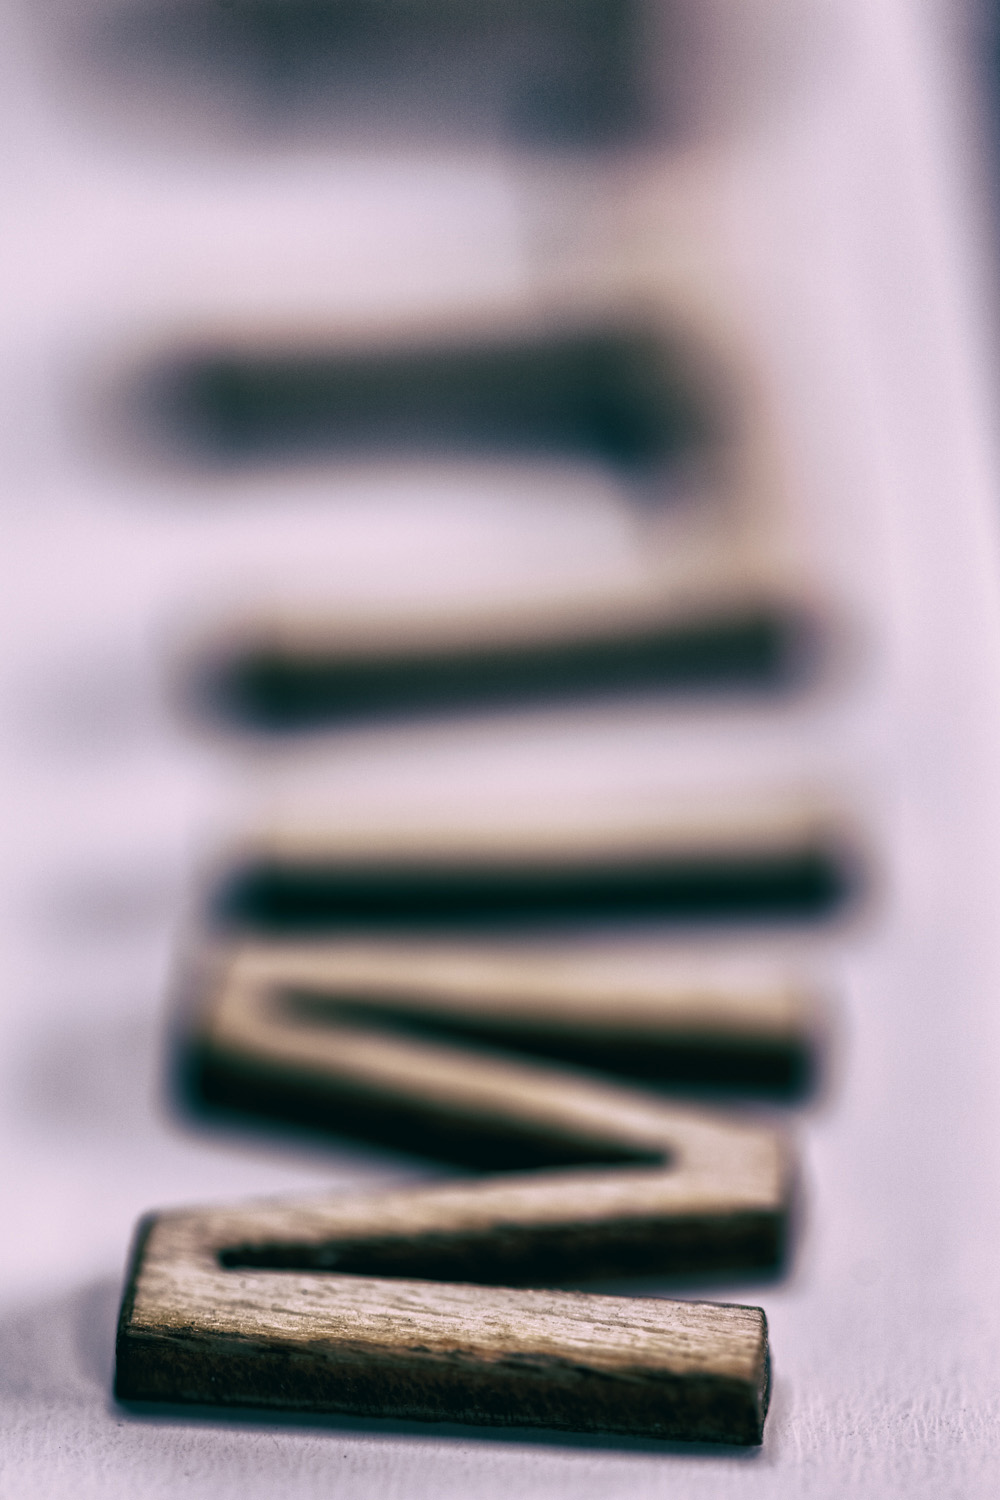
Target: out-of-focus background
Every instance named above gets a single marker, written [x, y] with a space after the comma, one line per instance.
[803, 191]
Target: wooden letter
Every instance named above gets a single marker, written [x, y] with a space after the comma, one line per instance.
[652, 1011]
[438, 1303]
[294, 677]
[657, 414]
[666, 1189]
[785, 860]
[370, 1306]
[207, 1318]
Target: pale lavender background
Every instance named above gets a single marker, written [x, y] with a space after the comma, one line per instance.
[850, 228]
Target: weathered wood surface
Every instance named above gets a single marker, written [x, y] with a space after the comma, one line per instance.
[199, 1324]
[692, 1018]
[722, 860]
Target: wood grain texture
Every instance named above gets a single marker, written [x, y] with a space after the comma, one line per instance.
[653, 1011]
[191, 1330]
